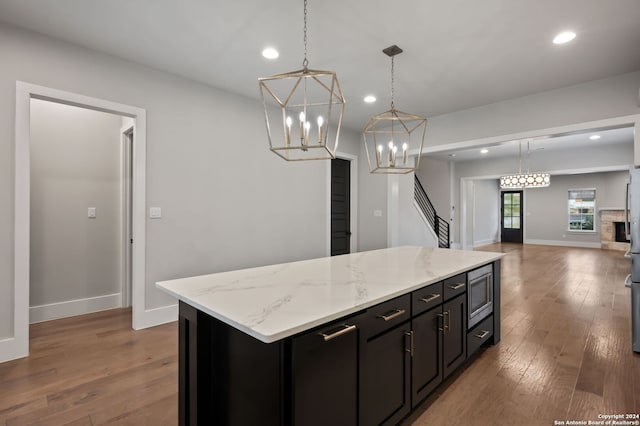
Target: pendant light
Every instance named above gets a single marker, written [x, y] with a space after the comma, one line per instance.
[303, 111]
[390, 137]
[525, 180]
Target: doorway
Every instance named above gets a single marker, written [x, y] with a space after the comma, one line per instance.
[18, 345]
[511, 217]
[77, 211]
[340, 206]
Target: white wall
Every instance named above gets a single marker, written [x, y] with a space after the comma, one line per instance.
[486, 217]
[75, 164]
[434, 175]
[546, 217]
[407, 226]
[227, 201]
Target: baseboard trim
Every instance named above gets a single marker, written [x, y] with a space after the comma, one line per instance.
[73, 307]
[11, 348]
[156, 316]
[485, 242]
[563, 243]
[456, 246]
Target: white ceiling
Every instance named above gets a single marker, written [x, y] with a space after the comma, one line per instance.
[457, 53]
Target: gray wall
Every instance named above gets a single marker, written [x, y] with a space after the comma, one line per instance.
[546, 208]
[75, 164]
[612, 97]
[373, 196]
[227, 201]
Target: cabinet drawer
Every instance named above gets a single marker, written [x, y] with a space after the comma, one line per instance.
[386, 315]
[426, 298]
[479, 335]
[455, 285]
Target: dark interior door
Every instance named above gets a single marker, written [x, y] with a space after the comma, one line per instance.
[511, 216]
[340, 206]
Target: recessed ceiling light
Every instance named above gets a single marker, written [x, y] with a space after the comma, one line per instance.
[369, 99]
[484, 151]
[594, 137]
[564, 37]
[270, 53]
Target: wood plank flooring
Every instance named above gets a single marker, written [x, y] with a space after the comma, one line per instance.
[93, 369]
[565, 354]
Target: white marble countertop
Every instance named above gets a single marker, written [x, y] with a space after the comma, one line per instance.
[271, 303]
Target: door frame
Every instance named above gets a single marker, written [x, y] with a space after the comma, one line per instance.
[127, 139]
[18, 345]
[522, 211]
[353, 202]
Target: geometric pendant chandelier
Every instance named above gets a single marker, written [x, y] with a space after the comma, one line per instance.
[303, 111]
[390, 137]
[525, 180]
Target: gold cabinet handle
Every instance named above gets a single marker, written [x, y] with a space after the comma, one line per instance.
[410, 334]
[430, 298]
[456, 286]
[482, 334]
[393, 314]
[445, 322]
[344, 330]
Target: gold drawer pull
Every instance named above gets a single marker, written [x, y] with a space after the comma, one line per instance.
[344, 330]
[482, 334]
[456, 286]
[430, 298]
[393, 314]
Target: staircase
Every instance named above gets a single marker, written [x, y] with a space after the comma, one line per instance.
[440, 226]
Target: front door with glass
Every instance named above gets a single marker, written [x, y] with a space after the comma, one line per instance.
[511, 216]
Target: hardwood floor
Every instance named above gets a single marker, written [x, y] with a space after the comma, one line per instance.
[93, 369]
[565, 354]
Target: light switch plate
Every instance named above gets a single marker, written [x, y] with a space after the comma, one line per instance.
[91, 212]
[377, 213]
[155, 212]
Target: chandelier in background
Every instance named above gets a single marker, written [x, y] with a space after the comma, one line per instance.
[390, 137]
[525, 180]
[303, 111]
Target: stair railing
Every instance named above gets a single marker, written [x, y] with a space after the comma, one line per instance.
[440, 225]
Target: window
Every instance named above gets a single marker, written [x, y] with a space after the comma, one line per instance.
[582, 207]
[511, 210]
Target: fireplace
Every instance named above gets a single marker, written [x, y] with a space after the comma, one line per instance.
[620, 232]
[612, 233]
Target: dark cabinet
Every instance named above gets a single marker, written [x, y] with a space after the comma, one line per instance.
[385, 392]
[427, 354]
[454, 333]
[324, 376]
[439, 346]
[369, 368]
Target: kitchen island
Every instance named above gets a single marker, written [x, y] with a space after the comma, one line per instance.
[353, 339]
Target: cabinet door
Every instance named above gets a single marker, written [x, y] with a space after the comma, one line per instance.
[455, 333]
[325, 376]
[385, 382]
[427, 354]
